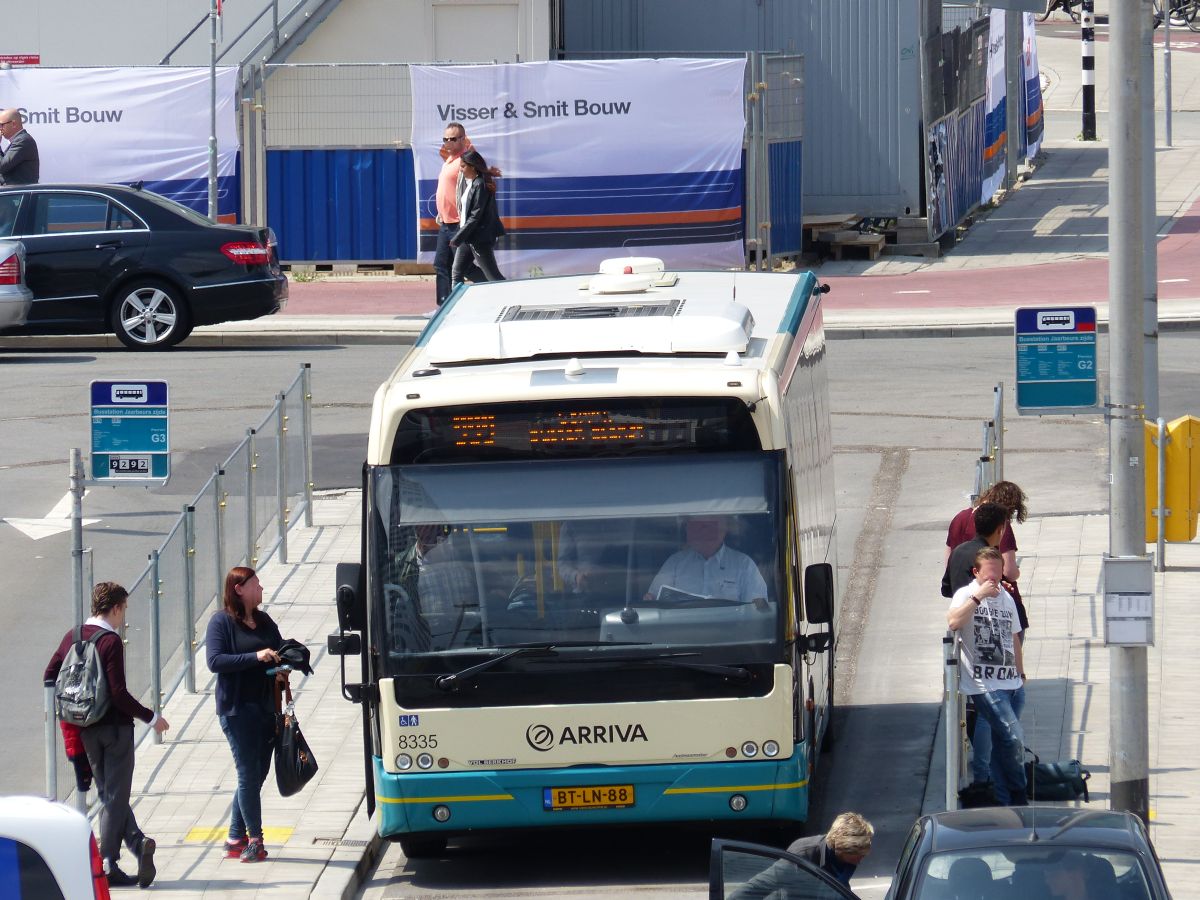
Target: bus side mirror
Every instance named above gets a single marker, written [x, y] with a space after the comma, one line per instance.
[351, 602]
[344, 644]
[818, 593]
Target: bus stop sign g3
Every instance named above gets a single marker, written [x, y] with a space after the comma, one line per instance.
[130, 438]
[1056, 360]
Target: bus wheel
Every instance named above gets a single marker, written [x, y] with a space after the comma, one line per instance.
[422, 846]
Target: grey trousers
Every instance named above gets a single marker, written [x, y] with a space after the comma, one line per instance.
[110, 751]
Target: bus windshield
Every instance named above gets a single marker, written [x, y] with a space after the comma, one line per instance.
[664, 551]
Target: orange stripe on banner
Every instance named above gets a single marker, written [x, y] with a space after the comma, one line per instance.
[996, 148]
[1034, 117]
[610, 220]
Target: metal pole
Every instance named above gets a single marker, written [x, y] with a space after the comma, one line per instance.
[51, 745]
[251, 535]
[1160, 562]
[155, 642]
[1087, 34]
[1128, 719]
[1167, 69]
[306, 388]
[998, 418]
[189, 598]
[951, 714]
[1012, 98]
[219, 526]
[212, 121]
[281, 475]
[985, 458]
[80, 593]
[1150, 214]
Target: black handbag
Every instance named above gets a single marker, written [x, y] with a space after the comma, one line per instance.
[295, 764]
[1063, 780]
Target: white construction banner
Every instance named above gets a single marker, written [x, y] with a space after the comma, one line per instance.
[1032, 80]
[123, 125]
[608, 158]
[994, 123]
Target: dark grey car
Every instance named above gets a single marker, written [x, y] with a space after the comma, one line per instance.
[995, 853]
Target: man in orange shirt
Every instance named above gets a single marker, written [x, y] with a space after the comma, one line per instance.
[454, 143]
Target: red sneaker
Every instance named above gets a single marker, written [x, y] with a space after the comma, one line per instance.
[233, 849]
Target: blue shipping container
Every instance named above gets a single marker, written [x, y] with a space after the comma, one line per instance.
[331, 205]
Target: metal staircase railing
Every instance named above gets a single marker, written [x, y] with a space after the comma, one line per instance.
[267, 36]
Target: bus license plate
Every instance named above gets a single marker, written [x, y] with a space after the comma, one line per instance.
[605, 796]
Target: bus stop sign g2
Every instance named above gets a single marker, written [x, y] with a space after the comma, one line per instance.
[1056, 360]
[130, 438]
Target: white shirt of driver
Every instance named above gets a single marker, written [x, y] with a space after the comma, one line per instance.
[728, 573]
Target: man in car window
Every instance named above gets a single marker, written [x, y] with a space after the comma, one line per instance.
[707, 567]
[837, 853]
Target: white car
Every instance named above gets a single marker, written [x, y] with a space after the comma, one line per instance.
[15, 297]
[47, 851]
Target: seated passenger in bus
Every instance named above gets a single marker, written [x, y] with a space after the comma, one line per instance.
[708, 567]
[593, 554]
[432, 588]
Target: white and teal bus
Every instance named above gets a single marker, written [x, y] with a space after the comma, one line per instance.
[598, 557]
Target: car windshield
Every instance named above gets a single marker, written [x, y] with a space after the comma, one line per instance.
[659, 552]
[1033, 873]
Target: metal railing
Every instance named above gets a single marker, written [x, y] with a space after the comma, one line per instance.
[989, 468]
[240, 517]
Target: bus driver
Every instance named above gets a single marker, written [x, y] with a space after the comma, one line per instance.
[706, 567]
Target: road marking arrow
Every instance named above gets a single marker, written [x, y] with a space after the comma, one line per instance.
[56, 521]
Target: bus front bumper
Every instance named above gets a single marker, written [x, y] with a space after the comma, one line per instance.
[457, 802]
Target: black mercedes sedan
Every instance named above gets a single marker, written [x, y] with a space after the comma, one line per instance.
[104, 259]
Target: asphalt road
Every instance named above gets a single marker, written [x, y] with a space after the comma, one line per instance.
[906, 417]
[906, 422]
[215, 396]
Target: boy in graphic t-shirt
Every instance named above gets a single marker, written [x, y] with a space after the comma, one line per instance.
[991, 667]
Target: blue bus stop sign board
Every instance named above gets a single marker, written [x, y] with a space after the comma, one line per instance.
[1056, 359]
[130, 439]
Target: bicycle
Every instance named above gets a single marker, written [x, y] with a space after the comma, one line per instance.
[1183, 12]
[1070, 7]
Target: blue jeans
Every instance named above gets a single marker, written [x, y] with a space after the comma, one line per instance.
[996, 708]
[984, 765]
[251, 736]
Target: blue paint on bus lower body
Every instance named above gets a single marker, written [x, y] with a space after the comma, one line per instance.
[774, 790]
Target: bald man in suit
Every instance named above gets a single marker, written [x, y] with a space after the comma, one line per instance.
[19, 163]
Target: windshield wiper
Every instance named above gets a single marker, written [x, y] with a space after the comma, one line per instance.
[456, 680]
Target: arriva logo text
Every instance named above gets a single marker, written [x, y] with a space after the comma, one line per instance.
[543, 738]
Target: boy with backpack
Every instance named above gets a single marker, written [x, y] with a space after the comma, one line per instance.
[87, 672]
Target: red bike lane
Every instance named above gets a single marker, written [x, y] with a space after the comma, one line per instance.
[1069, 282]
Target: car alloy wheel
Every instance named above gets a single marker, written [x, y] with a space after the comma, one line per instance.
[149, 315]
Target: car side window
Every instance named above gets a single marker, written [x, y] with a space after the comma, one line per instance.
[70, 213]
[119, 220]
[23, 872]
[10, 208]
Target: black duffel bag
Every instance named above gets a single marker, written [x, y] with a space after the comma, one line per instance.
[1063, 780]
[295, 764]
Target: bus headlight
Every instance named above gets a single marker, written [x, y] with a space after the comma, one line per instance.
[424, 761]
[770, 748]
[749, 749]
[403, 762]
